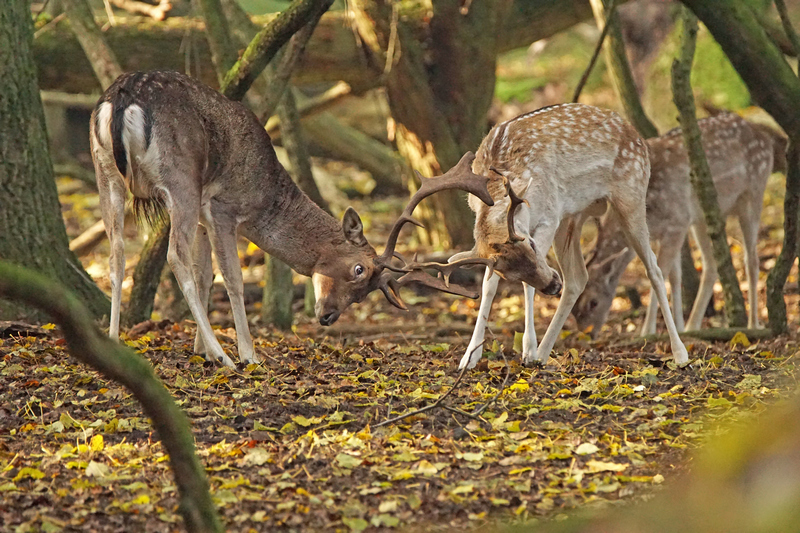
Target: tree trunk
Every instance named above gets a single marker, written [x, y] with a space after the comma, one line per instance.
[104, 62]
[440, 89]
[755, 57]
[774, 87]
[276, 306]
[776, 280]
[333, 53]
[118, 363]
[147, 276]
[620, 70]
[702, 183]
[32, 231]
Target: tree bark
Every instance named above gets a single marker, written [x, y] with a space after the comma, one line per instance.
[774, 87]
[104, 62]
[118, 363]
[620, 70]
[439, 88]
[701, 180]
[755, 57]
[776, 280]
[266, 44]
[147, 276]
[32, 231]
[276, 305]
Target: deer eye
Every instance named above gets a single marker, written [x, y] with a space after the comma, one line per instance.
[592, 304]
[358, 270]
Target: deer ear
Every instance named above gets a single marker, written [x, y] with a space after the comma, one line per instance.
[353, 228]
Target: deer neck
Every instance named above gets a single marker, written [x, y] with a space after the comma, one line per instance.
[293, 229]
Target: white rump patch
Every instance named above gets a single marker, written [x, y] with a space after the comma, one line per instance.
[103, 129]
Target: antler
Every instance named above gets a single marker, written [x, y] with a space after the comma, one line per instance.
[458, 177]
[516, 201]
[414, 272]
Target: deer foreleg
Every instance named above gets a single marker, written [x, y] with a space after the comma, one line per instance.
[573, 270]
[475, 348]
[529, 337]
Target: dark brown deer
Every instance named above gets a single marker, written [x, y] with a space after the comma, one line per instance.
[179, 146]
[565, 162]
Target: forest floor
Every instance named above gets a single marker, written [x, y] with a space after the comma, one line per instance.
[293, 442]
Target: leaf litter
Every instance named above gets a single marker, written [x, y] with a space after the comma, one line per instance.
[291, 444]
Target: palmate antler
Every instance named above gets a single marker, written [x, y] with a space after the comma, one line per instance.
[459, 177]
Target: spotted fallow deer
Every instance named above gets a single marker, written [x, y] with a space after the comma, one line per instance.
[550, 169]
[741, 157]
[178, 145]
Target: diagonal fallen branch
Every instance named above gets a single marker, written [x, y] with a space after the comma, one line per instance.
[476, 414]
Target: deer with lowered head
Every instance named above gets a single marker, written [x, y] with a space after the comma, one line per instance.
[549, 170]
[741, 157]
[181, 147]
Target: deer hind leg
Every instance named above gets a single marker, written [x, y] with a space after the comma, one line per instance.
[634, 225]
[669, 253]
[112, 207]
[707, 279]
[749, 221]
[223, 241]
[183, 230]
[529, 337]
[568, 253]
[475, 348]
[203, 277]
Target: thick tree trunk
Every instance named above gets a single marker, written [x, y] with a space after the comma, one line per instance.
[439, 90]
[333, 53]
[276, 305]
[117, 362]
[702, 183]
[32, 231]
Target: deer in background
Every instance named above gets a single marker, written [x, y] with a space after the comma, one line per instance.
[551, 169]
[741, 156]
[179, 146]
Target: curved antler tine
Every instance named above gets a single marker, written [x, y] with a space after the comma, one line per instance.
[391, 289]
[459, 177]
[515, 202]
[421, 277]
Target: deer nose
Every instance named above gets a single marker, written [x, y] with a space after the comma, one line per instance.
[328, 318]
[554, 287]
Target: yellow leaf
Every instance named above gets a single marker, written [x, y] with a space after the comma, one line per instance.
[520, 386]
[33, 473]
[96, 444]
[142, 499]
[197, 360]
[49, 326]
[740, 339]
[601, 466]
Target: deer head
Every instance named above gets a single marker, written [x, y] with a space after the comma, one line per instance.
[351, 269]
[515, 258]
